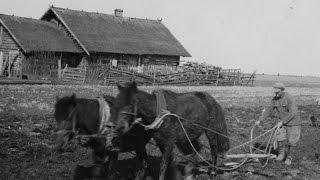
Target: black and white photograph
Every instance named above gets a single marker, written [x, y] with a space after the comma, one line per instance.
[159, 90]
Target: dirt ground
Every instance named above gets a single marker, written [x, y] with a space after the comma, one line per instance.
[27, 133]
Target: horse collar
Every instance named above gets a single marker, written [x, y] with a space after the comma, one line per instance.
[134, 113]
[161, 102]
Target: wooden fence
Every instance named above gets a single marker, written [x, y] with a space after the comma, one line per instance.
[74, 75]
[108, 75]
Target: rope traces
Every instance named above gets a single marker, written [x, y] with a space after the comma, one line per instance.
[158, 122]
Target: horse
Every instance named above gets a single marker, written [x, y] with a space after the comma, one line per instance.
[85, 117]
[194, 109]
[80, 116]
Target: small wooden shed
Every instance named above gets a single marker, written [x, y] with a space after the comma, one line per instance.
[25, 39]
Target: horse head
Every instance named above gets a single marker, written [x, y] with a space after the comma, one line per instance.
[125, 111]
[65, 119]
[126, 107]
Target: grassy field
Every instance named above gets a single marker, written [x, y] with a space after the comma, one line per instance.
[288, 80]
[27, 126]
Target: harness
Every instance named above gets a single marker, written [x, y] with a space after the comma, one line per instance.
[161, 102]
[104, 114]
[161, 112]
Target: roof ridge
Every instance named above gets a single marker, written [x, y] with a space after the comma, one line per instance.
[29, 18]
[17, 16]
[124, 17]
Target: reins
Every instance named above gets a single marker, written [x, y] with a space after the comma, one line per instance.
[73, 125]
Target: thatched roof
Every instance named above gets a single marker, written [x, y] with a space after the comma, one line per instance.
[99, 32]
[37, 35]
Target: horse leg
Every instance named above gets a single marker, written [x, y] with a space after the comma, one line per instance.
[166, 147]
[111, 165]
[165, 161]
[143, 158]
[212, 138]
[192, 156]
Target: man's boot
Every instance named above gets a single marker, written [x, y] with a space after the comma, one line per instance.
[282, 151]
[288, 158]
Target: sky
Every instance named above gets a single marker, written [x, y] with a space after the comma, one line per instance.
[267, 36]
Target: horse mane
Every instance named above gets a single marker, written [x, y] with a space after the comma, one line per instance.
[109, 99]
[170, 93]
[65, 101]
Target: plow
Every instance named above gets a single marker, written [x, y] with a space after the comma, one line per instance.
[229, 166]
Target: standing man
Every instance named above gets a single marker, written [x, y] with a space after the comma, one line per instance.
[284, 109]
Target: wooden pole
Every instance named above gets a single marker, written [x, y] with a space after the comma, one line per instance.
[20, 63]
[139, 61]
[231, 156]
[9, 65]
[1, 62]
[154, 76]
[59, 67]
[239, 78]
[1, 32]
[85, 74]
[234, 76]
[217, 81]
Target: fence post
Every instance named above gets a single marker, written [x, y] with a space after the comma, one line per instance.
[234, 76]
[108, 69]
[154, 76]
[59, 68]
[105, 76]
[85, 73]
[239, 78]
[217, 81]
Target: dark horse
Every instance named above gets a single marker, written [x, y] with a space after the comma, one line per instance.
[80, 116]
[194, 108]
[83, 116]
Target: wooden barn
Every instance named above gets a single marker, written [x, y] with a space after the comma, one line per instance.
[130, 41]
[29, 44]
[71, 36]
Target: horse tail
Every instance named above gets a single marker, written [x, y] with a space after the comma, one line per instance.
[217, 121]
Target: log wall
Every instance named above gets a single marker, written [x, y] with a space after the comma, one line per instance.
[10, 53]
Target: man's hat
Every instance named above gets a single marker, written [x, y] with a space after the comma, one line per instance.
[279, 85]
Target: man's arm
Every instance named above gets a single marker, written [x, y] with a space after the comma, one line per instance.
[293, 111]
[266, 112]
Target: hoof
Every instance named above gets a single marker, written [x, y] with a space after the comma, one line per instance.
[140, 175]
